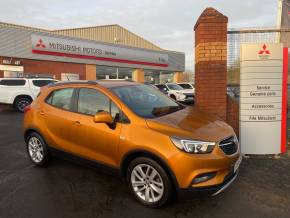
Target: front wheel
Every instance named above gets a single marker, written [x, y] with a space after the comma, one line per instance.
[149, 182]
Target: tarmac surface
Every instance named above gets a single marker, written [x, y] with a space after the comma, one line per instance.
[67, 189]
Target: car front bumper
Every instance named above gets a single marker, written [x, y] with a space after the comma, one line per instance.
[209, 190]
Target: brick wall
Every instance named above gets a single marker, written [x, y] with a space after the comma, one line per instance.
[211, 67]
[55, 68]
[211, 62]
[233, 114]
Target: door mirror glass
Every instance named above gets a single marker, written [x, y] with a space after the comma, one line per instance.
[103, 117]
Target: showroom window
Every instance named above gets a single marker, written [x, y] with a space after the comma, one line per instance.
[158, 77]
[107, 72]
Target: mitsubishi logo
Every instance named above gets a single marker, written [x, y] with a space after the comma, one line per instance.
[264, 50]
[40, 44]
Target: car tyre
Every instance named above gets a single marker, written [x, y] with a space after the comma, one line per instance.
[21, 102]
[151, 188]
[173, 97]
[37, 149]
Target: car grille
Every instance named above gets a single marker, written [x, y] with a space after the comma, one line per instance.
[229, 145]
[189, 95]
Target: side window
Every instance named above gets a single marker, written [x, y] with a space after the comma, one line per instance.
[92, 101]
[12, 82]
[61, 98]
[40, 83]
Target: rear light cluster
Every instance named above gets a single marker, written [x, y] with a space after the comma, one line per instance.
[27, 108]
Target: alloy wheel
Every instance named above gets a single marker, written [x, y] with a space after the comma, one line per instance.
[35, 149]
[147, 183]
[22, 103]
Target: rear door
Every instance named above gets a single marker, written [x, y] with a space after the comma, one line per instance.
[56, 113]
[10, 88]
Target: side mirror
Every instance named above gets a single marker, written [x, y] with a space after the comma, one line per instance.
[103, 117]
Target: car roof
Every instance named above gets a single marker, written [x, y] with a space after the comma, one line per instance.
[104, 83]
[116, 83]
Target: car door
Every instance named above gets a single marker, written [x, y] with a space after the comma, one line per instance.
[57, 116]
[96, 141]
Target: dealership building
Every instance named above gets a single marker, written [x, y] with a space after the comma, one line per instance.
[101, 52]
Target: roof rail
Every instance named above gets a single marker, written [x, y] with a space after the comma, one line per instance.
[91, 82]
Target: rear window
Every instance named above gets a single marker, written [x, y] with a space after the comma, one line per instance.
[41, 83]
[12, 82]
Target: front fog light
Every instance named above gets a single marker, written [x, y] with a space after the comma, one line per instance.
[191, 146]
[203, 178]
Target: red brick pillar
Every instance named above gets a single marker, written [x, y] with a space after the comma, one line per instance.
[211, 62]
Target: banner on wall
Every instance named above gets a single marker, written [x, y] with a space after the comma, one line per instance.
[71, 48]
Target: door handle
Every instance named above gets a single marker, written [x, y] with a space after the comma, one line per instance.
[77, 123]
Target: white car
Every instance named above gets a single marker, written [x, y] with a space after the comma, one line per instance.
[20, 92]
[188, 86]
[176, 92]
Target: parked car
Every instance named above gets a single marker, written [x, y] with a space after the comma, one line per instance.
[162, 88]
[233, 91]
[160, 147]
[20, 92]
[188, 86]
[176, 92]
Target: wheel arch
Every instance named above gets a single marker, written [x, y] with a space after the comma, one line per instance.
[130, 156]
[21, 95]
[31, 130]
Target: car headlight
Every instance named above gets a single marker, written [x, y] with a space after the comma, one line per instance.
[192, 146]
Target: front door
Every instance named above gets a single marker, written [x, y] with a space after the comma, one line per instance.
[96, 141]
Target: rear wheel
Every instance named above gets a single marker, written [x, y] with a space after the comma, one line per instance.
[149, 182]
[37, 149]
[21, 102]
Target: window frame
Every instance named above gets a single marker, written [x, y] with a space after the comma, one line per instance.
[6, 85]
[37, 80]
[71, 101]
[123, 117]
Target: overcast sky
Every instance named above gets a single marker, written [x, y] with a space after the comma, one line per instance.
[166, 23]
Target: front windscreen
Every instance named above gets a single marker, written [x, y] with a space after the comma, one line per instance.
[146, 101]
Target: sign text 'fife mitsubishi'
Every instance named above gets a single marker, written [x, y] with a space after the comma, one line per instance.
[264, 71]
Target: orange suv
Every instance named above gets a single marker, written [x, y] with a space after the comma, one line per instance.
[159, 146]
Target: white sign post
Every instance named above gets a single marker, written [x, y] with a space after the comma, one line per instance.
[262, 102]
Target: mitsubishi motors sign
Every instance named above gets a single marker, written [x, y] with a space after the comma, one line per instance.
[76, 49]
[263, 98]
